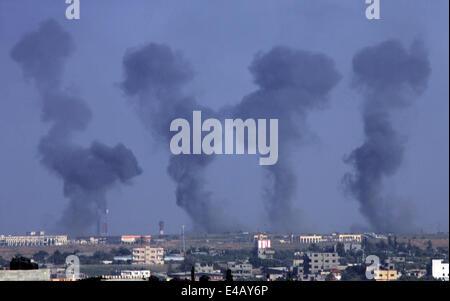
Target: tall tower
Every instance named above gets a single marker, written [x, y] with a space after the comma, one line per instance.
[161, 228]
[102, 222]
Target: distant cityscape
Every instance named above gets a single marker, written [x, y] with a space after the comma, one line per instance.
[218, 257]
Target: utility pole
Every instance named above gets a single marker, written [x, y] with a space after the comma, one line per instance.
[184, 249]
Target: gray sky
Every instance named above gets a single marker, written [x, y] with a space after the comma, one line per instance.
[220, 39]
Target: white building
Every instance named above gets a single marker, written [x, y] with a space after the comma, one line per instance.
[440, 269]
[311, 239]
[135, 274]
[35, 239]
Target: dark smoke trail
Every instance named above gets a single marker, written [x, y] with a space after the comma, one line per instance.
[389, 77]
[291, 84]
[87, 172]
[157, 75]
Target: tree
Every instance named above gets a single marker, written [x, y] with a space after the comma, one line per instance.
[3, 262]
[306, 264]
[229, 276]
[204, 278]
[192, 273]
[22, 263]
[354, 273]
[122, 251]
[40, 256]
[153, 278]
[340, 249]
[58, 258]
[429, 246]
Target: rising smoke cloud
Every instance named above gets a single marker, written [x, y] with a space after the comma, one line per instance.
[389, 77]
[87, 173]
[291, 83]
[157, 75]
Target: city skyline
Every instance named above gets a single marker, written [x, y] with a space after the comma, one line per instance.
[228, 67]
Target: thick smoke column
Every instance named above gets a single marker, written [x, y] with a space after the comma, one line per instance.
[157, 75]
[291, 84]
[87, 172]
[389, 77]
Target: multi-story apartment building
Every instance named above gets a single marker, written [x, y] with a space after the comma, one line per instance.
[319, 262]
[205, 268]
[148, 255]
[240, 269]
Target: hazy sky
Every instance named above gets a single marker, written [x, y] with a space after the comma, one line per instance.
[220, 38]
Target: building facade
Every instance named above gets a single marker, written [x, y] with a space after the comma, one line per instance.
[240, 269]
[319, 262]
[350, 237]
[133, 239]
[37, 239]
[135, 274]
[148, 255]
[385, 275]
[25, 275]
[439, 269]
[311, 239]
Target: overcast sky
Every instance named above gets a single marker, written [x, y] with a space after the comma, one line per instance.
[220, 38]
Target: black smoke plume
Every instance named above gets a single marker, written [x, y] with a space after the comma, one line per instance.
[87, 172]
[157, 75]
[291, 83]
[389, 77]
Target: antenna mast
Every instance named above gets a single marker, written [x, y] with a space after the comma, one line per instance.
[184, 249]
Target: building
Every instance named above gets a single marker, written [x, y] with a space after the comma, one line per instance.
[385, 275]
[350, 237]
[35, 233]
[319, 262]
[198, 276]
[148, 255]
[439, 269]
[174, 258]
[25, 275]
[311, 239]
[124, 259]
[351, 246]
[240, 269]
[133, 239]
[135, 274]
[205, 268]
[35, 239]
[418, 273]
[263, 249]
[257, 237]
[335, 274]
